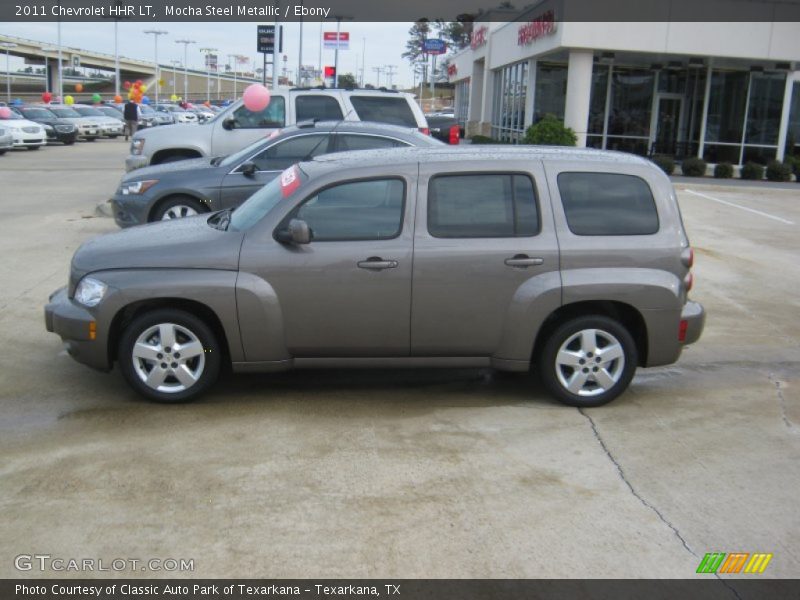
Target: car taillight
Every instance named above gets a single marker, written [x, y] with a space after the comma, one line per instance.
[688, 281]
[682, 330]
[425, 130]
[687, 257]
[455, 134]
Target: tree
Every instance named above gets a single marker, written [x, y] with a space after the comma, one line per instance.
[347, 80]
[420, 31]
[456, 33]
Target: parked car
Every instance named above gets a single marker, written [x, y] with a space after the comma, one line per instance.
[25, 133]
[111, 111]
[235, 127]
[190, 187]
[151, 118]
[57, 129]
[88, 129]
[6, 140]
[574, 261]
[203, 113]
[109, 126]
[180, 116]
[444, 127]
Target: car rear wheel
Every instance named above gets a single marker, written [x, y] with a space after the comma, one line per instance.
[69, 142]
[91, 139]
[169, 356]
[177, 207]
[588, 361]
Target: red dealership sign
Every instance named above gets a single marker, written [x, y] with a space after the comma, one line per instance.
[544, 24]
[329, 40]
[478, 37]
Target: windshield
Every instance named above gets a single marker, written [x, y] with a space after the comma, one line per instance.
[146, 110]
[88, 111]
[111, 112]
[257, 206]
[65, 112]
[37, 113]
[234, 158]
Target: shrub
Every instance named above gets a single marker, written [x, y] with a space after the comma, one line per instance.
[752, 170]
[550, 131]
[665, 163]
[778, 171]
[482, 139]
[723, 171]
[693, 167]
[795, 162]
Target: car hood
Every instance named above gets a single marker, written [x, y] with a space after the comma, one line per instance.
[181, 166]
[18, 123]
[188, 243]
[80, 120]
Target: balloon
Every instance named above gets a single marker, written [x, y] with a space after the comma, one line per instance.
[46, 97]
[256, 97]
[145, 100]
[160, 82]
[143, 88]
[138, 83]
[174, 98]
[207, 103]
[69, 100]
[17, 102]
[127, 85]
[79, 87]
[96, 98]
[117, 99]
[5, 112]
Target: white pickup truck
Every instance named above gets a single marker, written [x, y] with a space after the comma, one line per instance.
[236, 126]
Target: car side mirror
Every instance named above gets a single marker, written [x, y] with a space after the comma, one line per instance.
[229, 123]
[249, 169]
[297, 232]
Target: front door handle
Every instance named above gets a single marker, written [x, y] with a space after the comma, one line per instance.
[376, 263]
[523, 260]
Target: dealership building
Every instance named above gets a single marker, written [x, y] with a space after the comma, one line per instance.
[727, 92]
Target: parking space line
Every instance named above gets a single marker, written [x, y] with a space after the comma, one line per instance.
[752, 210]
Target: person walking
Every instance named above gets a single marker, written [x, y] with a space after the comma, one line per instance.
[132, 114]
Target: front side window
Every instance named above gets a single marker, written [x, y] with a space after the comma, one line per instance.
[284, 154]
[482, 206]
[324, 108]
[272, 116]
[365, 142]
[384, 110]
[359, 210]
[607, 204]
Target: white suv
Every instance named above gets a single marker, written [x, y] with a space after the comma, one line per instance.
[236, 127]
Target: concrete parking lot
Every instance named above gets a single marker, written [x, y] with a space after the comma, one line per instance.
[404, 474]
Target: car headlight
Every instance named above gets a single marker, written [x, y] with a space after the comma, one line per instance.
[137, 187]
[90, 291]
[47, 127]
[137, 145]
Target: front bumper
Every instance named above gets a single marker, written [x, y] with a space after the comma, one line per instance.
[135, 161]
[694, 315]
[65, 137]
[113, 130]
[130, 210]
[72, 323]
[88, 132]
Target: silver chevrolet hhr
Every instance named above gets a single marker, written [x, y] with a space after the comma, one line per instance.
[572, 262]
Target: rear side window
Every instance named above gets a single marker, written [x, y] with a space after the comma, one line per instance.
[272, 116]
[607, 204]
[320, 107]
[284, 154]
[482, 206]
[384, 110]
[365, 142]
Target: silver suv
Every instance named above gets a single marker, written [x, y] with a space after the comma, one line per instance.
[573, 261]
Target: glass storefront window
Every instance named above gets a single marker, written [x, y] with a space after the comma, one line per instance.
[508, 108]
[631, 102]
[793, 133]
[764, 108]
[726, 107]
[551, 91]
[462, 102]
[597, 104]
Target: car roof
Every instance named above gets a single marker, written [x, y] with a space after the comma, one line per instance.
[350, 127]
[411, 156]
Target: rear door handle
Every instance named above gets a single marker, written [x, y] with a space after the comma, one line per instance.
[523, 260]
[376, 263]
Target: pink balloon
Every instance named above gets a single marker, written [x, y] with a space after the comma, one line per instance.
[256, 97]
[5, 112]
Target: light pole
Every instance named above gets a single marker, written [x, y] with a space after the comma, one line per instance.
[185, 67]
[207, 52]
[339, 19]
[155, 33]
[60, 75]
[389, 75]
[175, 64]
[8, 46]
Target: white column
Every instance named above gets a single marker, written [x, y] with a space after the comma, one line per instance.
[487, 101]
[787, 104]
[579, 89]
[530, 94]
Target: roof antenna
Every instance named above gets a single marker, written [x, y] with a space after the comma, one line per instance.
[310, 154]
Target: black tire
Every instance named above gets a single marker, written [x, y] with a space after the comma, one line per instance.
[172, 202]
[33, 147]
[69, 142]
[91, 139]
[592, 392]
[207, 372]
[2, 152]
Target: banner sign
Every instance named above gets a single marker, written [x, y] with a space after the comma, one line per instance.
[434, 46]
[329, 40]
[265, 39]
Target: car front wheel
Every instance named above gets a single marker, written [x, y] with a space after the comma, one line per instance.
[177, 207]
[169, 356]
[588, 361]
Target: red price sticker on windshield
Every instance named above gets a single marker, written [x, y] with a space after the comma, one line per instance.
[290, 181]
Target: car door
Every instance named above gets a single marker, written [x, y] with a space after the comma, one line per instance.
[481, 235]
[241, 127]
[348, 292]
[237, 186]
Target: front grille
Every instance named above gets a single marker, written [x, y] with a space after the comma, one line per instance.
[65, 128]
[30, 129]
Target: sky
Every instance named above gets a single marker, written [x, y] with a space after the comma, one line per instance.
[384, 43]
